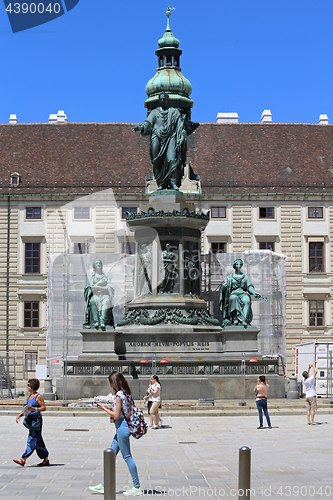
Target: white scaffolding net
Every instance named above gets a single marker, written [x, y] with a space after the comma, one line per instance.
[267, 272]
[67, 278]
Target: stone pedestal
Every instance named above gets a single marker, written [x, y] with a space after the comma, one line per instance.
[293, 389]
[48, 394]
[239, 339]
[171, 342]
[98, 345]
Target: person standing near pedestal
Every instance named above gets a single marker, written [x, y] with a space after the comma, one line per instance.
[154, 396]
[261, 390]
[311, 394]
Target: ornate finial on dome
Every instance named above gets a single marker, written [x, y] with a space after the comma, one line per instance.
[168, 14]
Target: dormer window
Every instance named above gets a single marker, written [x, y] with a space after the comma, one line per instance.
[15, 179]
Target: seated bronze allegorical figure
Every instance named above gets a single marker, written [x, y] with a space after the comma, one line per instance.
[99, 297]
[235, 298]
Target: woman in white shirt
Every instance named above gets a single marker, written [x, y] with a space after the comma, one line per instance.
[154, 396]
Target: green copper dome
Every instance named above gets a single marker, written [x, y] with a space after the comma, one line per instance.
[168, 77]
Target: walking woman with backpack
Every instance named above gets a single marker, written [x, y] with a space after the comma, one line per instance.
[121, 413]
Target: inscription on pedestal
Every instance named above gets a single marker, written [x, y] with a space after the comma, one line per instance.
[197, 346]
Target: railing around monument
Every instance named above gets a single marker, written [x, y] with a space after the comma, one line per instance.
[177, 368]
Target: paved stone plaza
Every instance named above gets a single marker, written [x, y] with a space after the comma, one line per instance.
[191, 457]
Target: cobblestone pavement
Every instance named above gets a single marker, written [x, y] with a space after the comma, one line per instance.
[190, 457]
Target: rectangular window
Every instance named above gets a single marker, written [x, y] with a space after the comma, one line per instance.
[266, 245]
[80, 248]
[33, 212]
[218, 247]
[31, 314]
[266, 212]
[81, 213]
[32, 258]
[316, 257]
[128, 247]
[316, 312]
[131, 210]
[315, 212]
[30, 361]
[218, 212]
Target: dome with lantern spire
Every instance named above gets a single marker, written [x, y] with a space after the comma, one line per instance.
[168, 77]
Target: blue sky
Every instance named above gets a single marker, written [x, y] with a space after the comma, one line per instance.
[240, 56]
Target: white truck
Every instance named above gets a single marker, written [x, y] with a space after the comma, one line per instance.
[317, 352]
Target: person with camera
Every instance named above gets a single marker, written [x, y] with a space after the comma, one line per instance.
[311, 394]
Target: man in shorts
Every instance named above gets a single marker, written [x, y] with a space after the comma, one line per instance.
[311, 395]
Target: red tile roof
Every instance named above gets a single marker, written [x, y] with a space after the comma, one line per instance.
[245, 158]
[229, 158]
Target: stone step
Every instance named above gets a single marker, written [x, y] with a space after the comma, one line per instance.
[175, 408]
[186, 413]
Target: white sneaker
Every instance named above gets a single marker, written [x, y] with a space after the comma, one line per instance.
[99, 488]
[155, 427]
[160, 423]
[133, 492]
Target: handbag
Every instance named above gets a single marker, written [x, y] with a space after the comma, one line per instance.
[136, 423]
[33, 422]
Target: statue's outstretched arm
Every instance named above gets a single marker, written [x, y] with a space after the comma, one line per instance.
[137, 128]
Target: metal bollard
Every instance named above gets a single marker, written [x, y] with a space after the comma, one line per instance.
[244, 473]
[109, 474]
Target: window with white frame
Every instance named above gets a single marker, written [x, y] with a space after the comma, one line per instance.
[266, 213]
[81, 213]
[218, 212]
[315, 212]
[316, 312]
[81, 248]
[31, 359]
[31, 314]
[33, 213]
[130, 210]
[316, 257]
[32, 258]
[266, 245]
[218, 247]
[128, 247]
